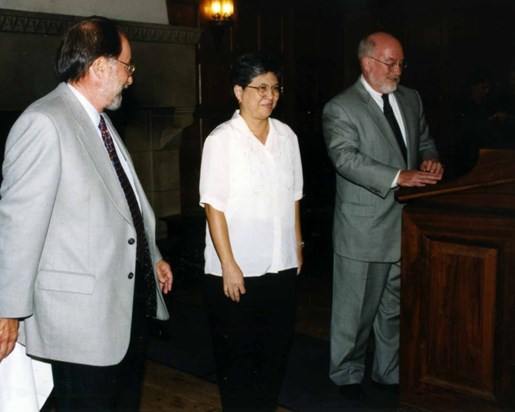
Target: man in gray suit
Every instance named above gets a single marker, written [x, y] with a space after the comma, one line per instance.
[377, 138]
[79, 265]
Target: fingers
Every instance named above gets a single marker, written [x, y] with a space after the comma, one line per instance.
[432, 166]
[415, 178]
[233, 280]
[234, 292]
[165, 276]
[165, 286]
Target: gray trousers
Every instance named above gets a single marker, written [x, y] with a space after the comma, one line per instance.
[366, 295]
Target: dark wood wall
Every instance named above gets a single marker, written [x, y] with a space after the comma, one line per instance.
[316, 42]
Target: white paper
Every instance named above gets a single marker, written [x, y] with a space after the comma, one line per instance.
[25, 383]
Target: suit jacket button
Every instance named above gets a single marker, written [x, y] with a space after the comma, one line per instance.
[131, 241]
[131, 275]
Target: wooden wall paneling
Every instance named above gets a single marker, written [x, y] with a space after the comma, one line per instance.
[330, 57]
[247, 31]
[306, 39]
[216, 92]
[272, 33]
[183, 12]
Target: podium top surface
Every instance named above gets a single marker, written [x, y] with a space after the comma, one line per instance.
[490, 185]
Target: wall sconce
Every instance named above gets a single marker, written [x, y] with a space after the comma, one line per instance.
[220, 14]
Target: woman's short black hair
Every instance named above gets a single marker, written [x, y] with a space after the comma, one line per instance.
[253, 64]
[83, 43]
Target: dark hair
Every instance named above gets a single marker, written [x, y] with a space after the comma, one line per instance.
[83, 43]
[253, 64]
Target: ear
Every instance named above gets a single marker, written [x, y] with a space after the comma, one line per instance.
[99, 67]
[365, 64]
[238, 91]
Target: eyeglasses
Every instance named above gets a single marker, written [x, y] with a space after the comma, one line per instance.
[129, 67]
[263, 89]
[392, 66]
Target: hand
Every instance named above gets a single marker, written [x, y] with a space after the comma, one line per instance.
[234, 284]
[300, 257]
[8, 336]
[164, 276]
[432, 166]
[498, 116]
[415, 178]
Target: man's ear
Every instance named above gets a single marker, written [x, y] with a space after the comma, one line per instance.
[99, 67]
[365, 64]
[238, 91]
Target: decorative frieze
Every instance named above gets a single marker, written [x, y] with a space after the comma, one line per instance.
[15, 21]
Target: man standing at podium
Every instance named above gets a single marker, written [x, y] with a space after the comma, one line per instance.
[377, 138]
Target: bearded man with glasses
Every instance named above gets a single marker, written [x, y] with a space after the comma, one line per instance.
[377, 138]
[80, 271]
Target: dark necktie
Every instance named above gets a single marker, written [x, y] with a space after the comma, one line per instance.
[390, 116]
[142, 250]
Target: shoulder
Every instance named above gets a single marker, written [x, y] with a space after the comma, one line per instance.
[222, 132]
[53, 105]
[282, 128]
[348, 97]
[407, 93]
[409, 100]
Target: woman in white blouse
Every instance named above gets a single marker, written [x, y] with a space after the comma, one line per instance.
[250, 186]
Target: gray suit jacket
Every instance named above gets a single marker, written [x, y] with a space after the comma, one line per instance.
[366, 156]
[65, 255]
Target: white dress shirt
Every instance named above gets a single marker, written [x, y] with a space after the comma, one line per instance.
[95, 118]
[256, 187]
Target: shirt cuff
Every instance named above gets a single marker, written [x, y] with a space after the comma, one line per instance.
[394, 183]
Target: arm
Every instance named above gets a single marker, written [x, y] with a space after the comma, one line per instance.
[232, 275]
[31, 170]
[430, 169]
[298, 237]
[351, 153]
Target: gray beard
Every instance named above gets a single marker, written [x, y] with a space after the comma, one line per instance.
[116, 103]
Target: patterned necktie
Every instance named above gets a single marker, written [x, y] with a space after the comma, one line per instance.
[142, 250]
[390, 116]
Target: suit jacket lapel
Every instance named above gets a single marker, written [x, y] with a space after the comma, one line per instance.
[409, 125]
[379, 119]
[145, 206]
[87, 135]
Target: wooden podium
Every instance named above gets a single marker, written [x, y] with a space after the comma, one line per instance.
[458, 290]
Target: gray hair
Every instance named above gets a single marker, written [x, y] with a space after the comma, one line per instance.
[366, 47]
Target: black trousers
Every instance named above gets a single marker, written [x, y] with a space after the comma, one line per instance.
[252, 338]
[109, 388]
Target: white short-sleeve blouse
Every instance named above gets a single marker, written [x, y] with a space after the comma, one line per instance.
[256, 187]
